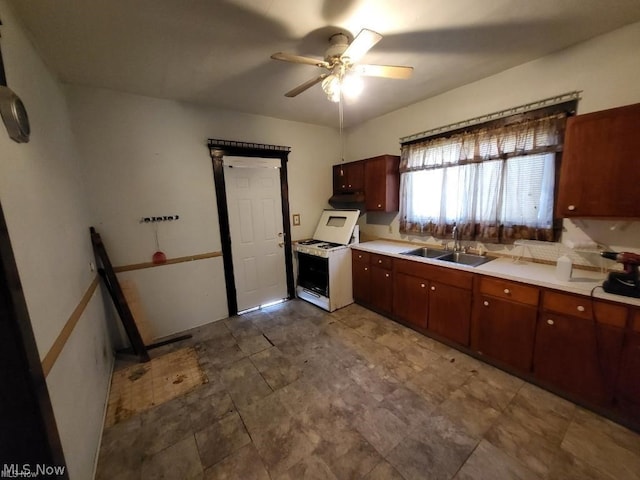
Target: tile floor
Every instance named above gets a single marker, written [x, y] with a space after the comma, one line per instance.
[297, 393]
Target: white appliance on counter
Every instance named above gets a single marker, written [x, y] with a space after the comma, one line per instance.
[324, 262]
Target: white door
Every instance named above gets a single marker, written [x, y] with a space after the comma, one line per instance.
[255, 221]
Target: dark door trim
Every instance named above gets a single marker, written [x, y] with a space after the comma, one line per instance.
[217, 150]
[29, 431]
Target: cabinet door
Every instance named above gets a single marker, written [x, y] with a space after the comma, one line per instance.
[381, 289]
[449, 312]
[505, 331]
[410, 299]
[361, 281]
[348, 177]
[628, 387]
[382, 183]
[599, 168]
[576, 356]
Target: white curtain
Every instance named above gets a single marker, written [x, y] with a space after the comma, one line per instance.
[495, 184]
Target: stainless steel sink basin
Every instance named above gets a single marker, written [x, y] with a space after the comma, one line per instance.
[426, 252]
[464, 258]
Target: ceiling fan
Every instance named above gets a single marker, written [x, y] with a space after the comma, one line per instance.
[341, 60]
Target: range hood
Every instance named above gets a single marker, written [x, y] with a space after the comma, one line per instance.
[347, 199]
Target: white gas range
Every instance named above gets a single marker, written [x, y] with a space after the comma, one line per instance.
[324, 262]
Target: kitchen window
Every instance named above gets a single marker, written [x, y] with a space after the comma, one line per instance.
[495, 181]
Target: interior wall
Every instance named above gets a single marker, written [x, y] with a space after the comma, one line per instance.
[148, 157]
[43, 198]
[606, 69]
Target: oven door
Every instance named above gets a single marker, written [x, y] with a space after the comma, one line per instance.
[313, 273]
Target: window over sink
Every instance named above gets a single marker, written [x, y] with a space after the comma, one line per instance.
[495, 181]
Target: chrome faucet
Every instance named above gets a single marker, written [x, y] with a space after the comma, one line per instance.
[456, 239]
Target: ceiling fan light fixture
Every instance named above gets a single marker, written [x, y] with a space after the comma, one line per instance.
[352, 85]
[331, 86]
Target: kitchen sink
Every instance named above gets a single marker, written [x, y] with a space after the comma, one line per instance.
[464, 258]
[426, 252]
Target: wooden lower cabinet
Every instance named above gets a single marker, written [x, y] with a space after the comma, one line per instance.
[577, 357]
[505, 331]
[504, 321]
[411, 299]
[434, 298]
[627, 390]
[361, 278]
[578, 346]
[372, 278]
[381, 289]
[449, 312]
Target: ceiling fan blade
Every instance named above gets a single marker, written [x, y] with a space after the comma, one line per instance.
[361, 44]
[288, 57]
[301, 88]
[386, 71]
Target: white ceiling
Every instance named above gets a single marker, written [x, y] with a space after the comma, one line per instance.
[216, 52]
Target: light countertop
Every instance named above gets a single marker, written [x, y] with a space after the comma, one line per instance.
[583, 282]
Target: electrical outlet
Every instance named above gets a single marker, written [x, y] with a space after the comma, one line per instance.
[296, 219]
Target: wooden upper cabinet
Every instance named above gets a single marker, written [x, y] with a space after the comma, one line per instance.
[599, 174]
[348, 177]
[382, 183]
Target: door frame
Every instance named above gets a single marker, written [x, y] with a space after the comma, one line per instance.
[30, 434]
[217, 150]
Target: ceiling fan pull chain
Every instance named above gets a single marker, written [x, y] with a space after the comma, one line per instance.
[341, 118]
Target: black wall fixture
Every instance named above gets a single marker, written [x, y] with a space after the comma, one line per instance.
[13, 112]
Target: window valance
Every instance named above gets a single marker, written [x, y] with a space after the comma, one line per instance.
[543, 135]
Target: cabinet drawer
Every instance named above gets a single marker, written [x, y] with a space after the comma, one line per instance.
[381, 261]
[411, 267]
[451, 276]
[586, 308]
[362, 257]
[504, 289]
[448, 276]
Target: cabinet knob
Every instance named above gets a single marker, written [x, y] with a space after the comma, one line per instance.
[386, 275]
[550, 322]
[571, 208]
[485, 303]
[343, 186]
[422, 285]
[580, 308]
[507, 291]
[433, 289]
[366, 268]
[349, 185]
[379, 261]
[379, 205]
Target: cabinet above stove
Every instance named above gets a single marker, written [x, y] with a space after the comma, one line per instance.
[372, 184]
